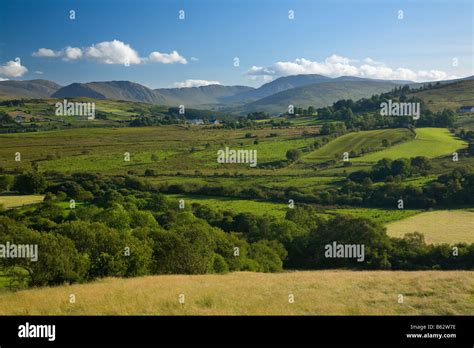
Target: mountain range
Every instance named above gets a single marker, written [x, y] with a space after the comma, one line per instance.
[272, 97]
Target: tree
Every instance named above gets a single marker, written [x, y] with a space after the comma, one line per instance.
[115, 217]
[294, 154]
[6, 182]
[471, 149]
[267, 258]
[30, 183]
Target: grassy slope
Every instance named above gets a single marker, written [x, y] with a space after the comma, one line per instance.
[444, 226]
[315, 293]
[450, 96]
[430, 142]
[356, 141]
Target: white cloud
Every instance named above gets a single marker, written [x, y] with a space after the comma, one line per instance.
[194, 59]
[45, 52]
[167, 58]
[13, 68]
[72, 53]
[38, 72]
[195, 83]
[110, 52]
[336, 65]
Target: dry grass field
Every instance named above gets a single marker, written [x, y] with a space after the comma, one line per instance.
[14, 201]
[315, 293]
[443, 226]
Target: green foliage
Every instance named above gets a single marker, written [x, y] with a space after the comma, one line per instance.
[6, 182]
[219, 264]
[29, 183]
[294, 154]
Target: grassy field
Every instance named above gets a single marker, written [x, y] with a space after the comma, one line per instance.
[380, 215]
[429, 142]
[315, 293]
[358, 141]
[236, 205]
[443, 226]
[13, 201]
[177, 148]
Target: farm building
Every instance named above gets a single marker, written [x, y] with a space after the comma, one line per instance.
[464, 109]
[196, 121]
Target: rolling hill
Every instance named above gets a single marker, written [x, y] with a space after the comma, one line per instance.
[317, 95]
[279, 85]
[451, 95]
[119, 90]
[201, 96]
[28, 89]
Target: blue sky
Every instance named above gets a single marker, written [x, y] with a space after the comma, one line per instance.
[352, 37]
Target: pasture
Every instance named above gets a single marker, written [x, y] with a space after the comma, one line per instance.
[429, 142]
[442, 226]
[357, 142]
[236, 205]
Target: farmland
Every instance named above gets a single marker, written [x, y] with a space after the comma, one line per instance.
[444, 226]
[358, 141]
[429, 142]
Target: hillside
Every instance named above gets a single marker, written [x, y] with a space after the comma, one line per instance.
[200, 96]
[28, 89]
[357, 141]
[278, 85]
[119, 90]
[448, 96]
[429, 142]
[315, 293]
[317, 95]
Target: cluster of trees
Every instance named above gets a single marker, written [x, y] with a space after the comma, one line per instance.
[453, 189]
[390, 170]
[364, 114]
[25, 183]
[126, 235]
[381, 251]
[124, 227]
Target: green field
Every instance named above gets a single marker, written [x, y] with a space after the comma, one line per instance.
[236, 205]
[358, 141]
[380, 215]
[442, 226]
[429, 142]
[242, 293]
